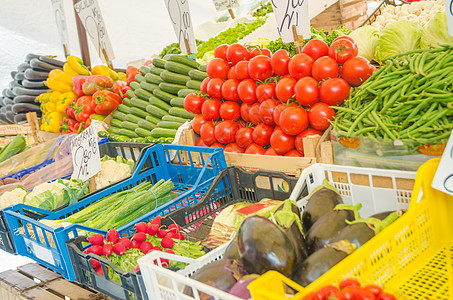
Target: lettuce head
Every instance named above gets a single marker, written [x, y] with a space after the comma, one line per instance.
[435, 32]
[366, 38]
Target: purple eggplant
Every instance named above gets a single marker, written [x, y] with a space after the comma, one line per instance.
[240, 289]
[231, 252]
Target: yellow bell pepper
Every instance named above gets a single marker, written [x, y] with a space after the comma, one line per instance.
[68, 70]
[77, 65]
[55, 97]
[56, 85]
[60, 75]
[104, 70]
[44, 97]
[50, 106]
[54, 122]
[122, 76]
[64, 100]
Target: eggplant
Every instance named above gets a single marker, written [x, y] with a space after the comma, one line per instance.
[19, 118]
[3, 118]
[8, 93]
[231, 252]
[264, 246]
[2, 103]
[322, 200]
[33, 84]
[31, 74]
[240, 287]
[24, 107]
[10, 116]
[31, 92]
[13, 83]
[22, 67]
[8, 101]
[13, 74]
[3, 109]
[52, 61]
[382, 215]
[322, 261]
[39, 65]
[24, 99]
[329, 225]
[8, 107]
[20, 76]
[30, 56]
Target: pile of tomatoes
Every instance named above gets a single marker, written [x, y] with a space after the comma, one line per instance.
[257, 102]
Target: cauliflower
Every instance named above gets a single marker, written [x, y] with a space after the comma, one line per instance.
[13, 197]
[52, 187]
[112, 171]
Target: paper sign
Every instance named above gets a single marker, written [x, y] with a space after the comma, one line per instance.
[221, 5]
[443, 180]
[291, 12]
[449, 13]
[85, 154]
[179, 13]
[60, 19]
[91, 17]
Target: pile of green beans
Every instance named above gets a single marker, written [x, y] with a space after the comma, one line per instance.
[410, 98]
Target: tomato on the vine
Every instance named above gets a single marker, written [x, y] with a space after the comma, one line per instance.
[220, 51]
[255, 149]
[218, 68]
[262, 134]
[320, 115]
[324, 67]
[267, 108]
[245, 111]
[294, 120]
[349, 282]
[299, 141]
[279, 62]
[230, 90]
[232, 73]
[234, 148]
[247, 91]
[347, 291]
[281, 142]
[386, 296]
[294, 153]
[193, 103]
[259, 68]
[316, 48]
[236, 52]
[271, 151]
[356, 70]
[230, 110]
[374, 289]
[207, 133]
[300, 66]
[214, 87]
[285, 89]
[244, 137]
[197, 122]
[210, 109]
[254, 114]
[362, 294]
[334, 91]
[225, 131]
[307, 91]
[200, 143]
[204, 85]
[343, 49]
[260, 51]
[241, 70]
[265, 91]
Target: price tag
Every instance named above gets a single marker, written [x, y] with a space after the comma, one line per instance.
[85, 154]
[60, 19]
[443, 180]
[179, 13]
[91, 17]
[449, 13]
[221, 5]
[289, 13]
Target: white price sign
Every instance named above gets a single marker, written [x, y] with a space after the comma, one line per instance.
[221, 5]
[289, 13]
[449, 13]
[60, 19]
[179, 13]
[91, 17]
[85, 154]
[443, 180]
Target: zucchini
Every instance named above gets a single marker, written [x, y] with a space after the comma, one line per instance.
[152, 119]
[142, 132]
[144, 70]
[115, 122]
[22, 99]
[171, 87]
[143, 94]
[149, 87]
[153, 78]
[119, 115]
[127, 102]
[169, 125]
[124, 108]
[198, 75]
[183, 59]
[133, 118]
[185, 92]
[31, 84]
[134, 85]
[139, 112]
[129, 125]
[52, 61]
[128, 133]
[17, 91]
[130, 94]
[173, 77]
[155, 70]
[39, 65]
[193, 84]
[181, 112]
[159, 103]
[163, 95]
[159, 62]
[171, 118]
[177, 102]
[31, 74]
[156, 111]
[139, 78]
[203, 68]
[177, 67]
[114, 130]
[20, 76]
[137, 102]
[163, 132]
[146, 125]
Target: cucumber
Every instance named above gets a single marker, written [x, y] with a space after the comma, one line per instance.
[163, 132]
[183, 59]
[198, 75]
[173, 77]
[137, 102]
[155, 70]
[181, 112]
[146, 125]
[159, 103]
[133, 118]
[156, 111]
[139, 112]
[169, 125]
[159, 62]
[154, 79]
[203, 68]
[134, 85]
[128, 125]
[124, 108]
[142, 132]
[127, 102]
[152, 119]
[114, 130]
[149, 87]
[144, 70]
[171, 118]
[143, 94]
[139, 78]
[163, 95]
[128, 133]
[177, 102]
[130, 94]
[119, 115]
[177, 67]
[171, 87]
[193, 84]
[115, 123]
[185, 92]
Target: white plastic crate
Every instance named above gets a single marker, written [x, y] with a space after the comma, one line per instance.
[378, 190]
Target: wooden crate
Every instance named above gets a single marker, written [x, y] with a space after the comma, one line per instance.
[34, 282]
[348, 13]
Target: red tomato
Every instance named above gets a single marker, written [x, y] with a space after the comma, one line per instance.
[244, 137]
[242, 123]
[344, 37]
[236, 52]
[265, 91]
[225, 131]
[207, 133]
[267, 108]
[324, 67]
[245, 111]
[214, 87]
[193, 103]
[255, 149]
[326, 291]
[311, 296]
[230, 110]
[254, 114]
[233, 147]
[293, 120]
[361, 294]
[279, 62]
[285, 89]
[271, 151]
[281, 142]
[316, 48]
[247, 91]
[373, 69]
[356, 70]
[262, 134]
[241, 70]
[278, 111]
[349, 282]
[320, 115]
[334, 91]
[200, 143]
[218, 145]
[343, 49]
[220, 51]
[218, 68]
[204, 85]
[299, 141]
[260, 68]
[300, 66]
[232, 73]
[261, 51]
[197, 122]
[347, 291]
[210, 109]
[230, 90]
[294, 153]
[374, 289]
[307, 91]
[386, 296]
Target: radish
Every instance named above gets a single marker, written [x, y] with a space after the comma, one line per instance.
[157, 220]
[96, 249]
[172, 235]
[165, 264]
[157, 248]
[146, 247]
[137, 268]
[163, 261]
[141, 227]
[139, 237]
[95, 264]
[107, 249]
[153, 229]
[100, 271]
[113, 236]
[161, 233]
[175, 228]
[167, 242]
[96, 239]
[180, 236]
[87, 251]
[119, 248]
[136, 245]
[169, 251]
[126, 242]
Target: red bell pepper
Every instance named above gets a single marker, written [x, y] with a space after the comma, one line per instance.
[67, 125]
[78, 127]
[130, 74]
[70, 110]
[106, 102]
[93, 117]
[95, 83]
[120, 88]
[77, 83]
[85, 108]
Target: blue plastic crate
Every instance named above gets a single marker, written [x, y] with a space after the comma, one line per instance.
[192, 174]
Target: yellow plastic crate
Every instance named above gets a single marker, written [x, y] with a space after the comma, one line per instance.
[414, 255]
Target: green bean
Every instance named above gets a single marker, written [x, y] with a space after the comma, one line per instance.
[370, 107]
[416, 110]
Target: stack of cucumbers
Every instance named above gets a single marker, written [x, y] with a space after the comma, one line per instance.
[154, 108]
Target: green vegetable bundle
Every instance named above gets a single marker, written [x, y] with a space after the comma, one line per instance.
[14, 147]
[408, 99]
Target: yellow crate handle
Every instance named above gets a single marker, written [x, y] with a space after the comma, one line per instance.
[422, 185]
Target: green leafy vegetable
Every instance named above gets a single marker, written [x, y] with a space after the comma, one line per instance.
[435, 32]
[264, 9]
[366, 38]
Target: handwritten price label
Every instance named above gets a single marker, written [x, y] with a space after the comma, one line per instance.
[443, 180]
[449, 13]
[60, 19]
[289, 13]
[221, 5]
[85, 154]
[179, 13]
[91, 17]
